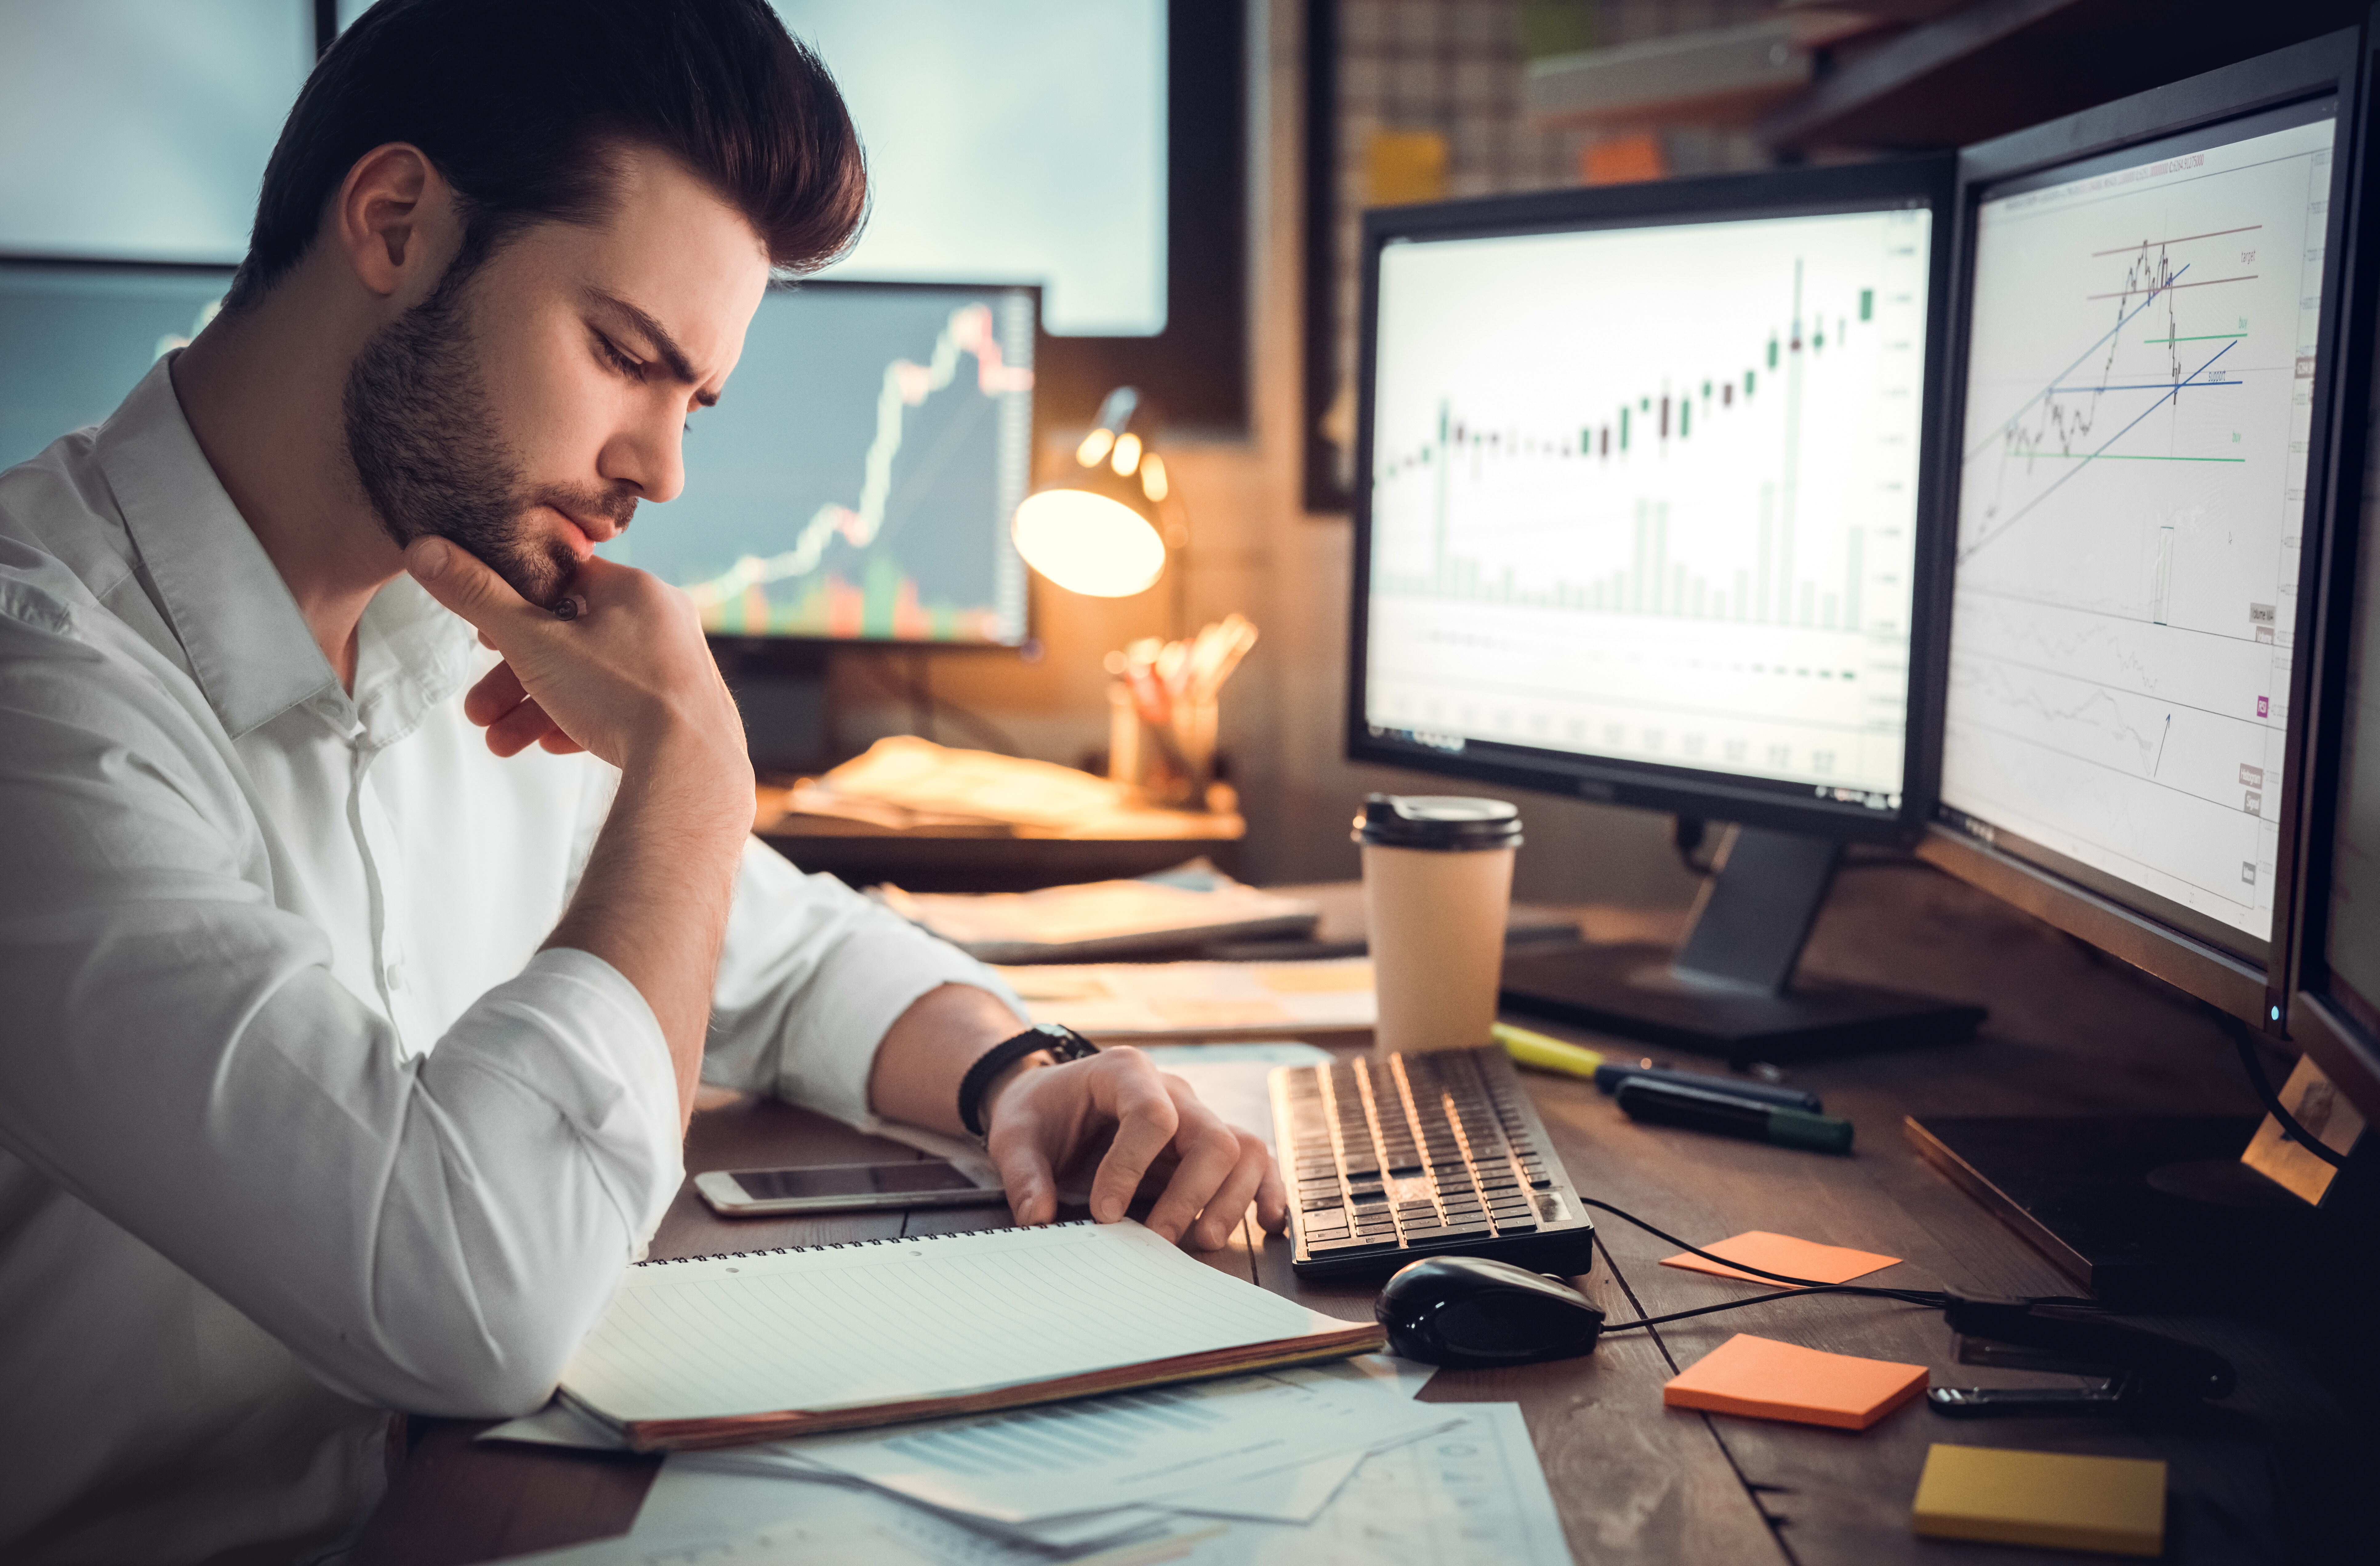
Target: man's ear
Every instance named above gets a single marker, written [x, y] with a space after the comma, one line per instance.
[395, 221]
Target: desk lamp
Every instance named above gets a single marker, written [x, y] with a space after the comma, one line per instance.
[1095, 529]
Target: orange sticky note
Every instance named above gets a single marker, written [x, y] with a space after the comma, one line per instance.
[1765, 1379]
[1782, 1253]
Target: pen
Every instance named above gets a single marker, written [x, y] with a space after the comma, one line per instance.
[1576, 1060]
[1546, 1054]
[1611, 1074]
[1666, 1103]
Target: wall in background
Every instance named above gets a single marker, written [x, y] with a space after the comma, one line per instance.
[1256, 549]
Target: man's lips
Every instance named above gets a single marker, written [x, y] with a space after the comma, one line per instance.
[583, 535]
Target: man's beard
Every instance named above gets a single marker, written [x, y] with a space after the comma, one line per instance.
[424, 441]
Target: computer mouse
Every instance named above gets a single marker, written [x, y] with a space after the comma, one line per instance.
[1472, 1314]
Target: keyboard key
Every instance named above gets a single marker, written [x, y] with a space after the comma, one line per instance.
[1354, 1245]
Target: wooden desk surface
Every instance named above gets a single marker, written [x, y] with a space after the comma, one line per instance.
[2274, 1472]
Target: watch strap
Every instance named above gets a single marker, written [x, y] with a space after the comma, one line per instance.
[1063, 1043]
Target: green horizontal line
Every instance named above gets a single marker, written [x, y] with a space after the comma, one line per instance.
[2209, 338]
[2119, 457]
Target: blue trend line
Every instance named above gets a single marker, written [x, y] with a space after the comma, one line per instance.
[2086, 353]
[2144, 386]
[1968, 553]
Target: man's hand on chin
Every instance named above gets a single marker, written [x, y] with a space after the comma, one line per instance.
[1131, 1129]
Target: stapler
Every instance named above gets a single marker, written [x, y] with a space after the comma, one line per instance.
[2140, 1370]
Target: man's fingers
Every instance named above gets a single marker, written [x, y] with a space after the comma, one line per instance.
[1230, 1202]
[1209, 1154]
[560, 744]
[463, 583]
[1135, 1096]
[518, 730]
[498, 692]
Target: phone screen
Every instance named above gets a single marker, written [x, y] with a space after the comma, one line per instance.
[853, 1180]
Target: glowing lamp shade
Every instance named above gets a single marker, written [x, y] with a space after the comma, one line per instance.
[1088, 542]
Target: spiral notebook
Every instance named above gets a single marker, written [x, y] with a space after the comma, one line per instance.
[750, 1346]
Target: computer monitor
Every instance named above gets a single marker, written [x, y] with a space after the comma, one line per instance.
[2140, 436]
[76, 336]
[2142, 458]
[1642, 480]
[853, 488]
[2334, 1011]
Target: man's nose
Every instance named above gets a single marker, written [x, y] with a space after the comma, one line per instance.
[649, 457]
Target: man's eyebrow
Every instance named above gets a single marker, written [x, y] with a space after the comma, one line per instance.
[663, 344]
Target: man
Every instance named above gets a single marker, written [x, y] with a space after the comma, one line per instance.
[358, 980]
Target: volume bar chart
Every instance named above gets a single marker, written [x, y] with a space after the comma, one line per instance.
[1650, 494]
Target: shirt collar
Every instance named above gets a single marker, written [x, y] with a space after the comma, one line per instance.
[248, 646]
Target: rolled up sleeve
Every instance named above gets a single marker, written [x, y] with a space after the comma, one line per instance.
[811, 977]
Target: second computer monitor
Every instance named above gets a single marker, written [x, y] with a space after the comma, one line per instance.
[2145, 410]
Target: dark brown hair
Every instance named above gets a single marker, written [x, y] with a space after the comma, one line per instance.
[519, 103]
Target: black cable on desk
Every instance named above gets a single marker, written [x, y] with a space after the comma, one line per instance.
[1929, 1299]
[2246, 1043]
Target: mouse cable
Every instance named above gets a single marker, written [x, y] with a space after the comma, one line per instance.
[1932, 1299]
[1924, 1297]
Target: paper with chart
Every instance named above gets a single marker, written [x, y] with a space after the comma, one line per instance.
[1126, 1448]
[1471, 1495]
[1650, 493]
[2138, 407]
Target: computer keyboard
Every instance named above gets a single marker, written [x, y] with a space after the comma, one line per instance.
[1394, 1157]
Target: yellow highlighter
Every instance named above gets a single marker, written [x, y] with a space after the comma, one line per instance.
[1546, 1054]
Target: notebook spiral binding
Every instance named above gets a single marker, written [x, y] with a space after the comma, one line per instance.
[859, 1245]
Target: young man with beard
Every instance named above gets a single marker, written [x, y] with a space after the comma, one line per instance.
[357, 980]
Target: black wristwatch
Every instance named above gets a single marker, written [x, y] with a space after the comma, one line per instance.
[1062, 1042]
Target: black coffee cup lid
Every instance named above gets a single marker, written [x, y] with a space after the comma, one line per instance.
[1444, 822]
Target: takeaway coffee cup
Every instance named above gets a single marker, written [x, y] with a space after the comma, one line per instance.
[1438, 880]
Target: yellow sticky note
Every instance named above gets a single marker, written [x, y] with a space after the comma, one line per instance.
[1766, 1380]
[2113, 1505]
[1782, 1253]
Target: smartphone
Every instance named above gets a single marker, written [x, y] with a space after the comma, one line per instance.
[842, 1187]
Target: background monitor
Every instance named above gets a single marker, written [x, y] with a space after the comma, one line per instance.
[139, 129]
[1641, 473]
[2144, 387]
[75, 337]
[857, 479]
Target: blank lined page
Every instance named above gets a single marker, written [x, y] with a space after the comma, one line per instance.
[940, 1316]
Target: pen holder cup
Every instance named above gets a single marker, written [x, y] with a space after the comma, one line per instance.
[1171, 763]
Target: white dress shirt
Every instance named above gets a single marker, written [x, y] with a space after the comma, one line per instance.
[297, 1124]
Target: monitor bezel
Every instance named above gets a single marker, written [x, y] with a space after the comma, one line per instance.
[2338, 1028]
[1691, 791]
[2230, 980]
[763, 651]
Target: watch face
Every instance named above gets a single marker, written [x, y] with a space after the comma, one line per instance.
[1065, 1044]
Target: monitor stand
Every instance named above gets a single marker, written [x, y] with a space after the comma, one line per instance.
[2150, 1210]
[1728, 989]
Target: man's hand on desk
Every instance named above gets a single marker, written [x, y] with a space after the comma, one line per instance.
[1130, 1128]
[1113, 1122]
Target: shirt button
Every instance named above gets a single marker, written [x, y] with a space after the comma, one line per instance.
[395, 974]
